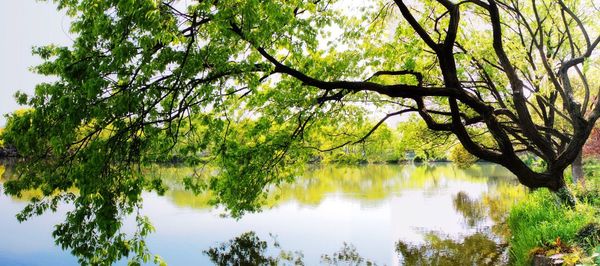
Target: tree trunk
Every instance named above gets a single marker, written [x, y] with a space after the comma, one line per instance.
[577, 169]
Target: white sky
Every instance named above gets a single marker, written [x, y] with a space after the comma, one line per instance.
[24, 24]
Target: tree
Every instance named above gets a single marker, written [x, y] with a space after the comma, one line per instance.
[462, 157]
[426, 144]
[143, 74]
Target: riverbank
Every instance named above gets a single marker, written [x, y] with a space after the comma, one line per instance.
[547, 233]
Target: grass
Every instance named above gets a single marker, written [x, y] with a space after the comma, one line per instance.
[539, 220]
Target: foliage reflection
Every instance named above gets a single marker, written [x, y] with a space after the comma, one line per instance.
[249, 249]
[485, 247]
[476, 249]
[368, 184]
[93, 230]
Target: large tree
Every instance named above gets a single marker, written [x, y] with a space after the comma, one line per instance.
[248, 85]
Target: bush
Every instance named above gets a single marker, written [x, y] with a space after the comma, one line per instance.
[588, 237]
[461, 157]
[539, 220]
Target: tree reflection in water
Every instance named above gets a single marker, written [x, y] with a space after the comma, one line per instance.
[93, 230]
[476, 249]
[348, 255]
[248, 249]
[473, 211]
[481, 248]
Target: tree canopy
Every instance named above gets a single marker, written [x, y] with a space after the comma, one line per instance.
[251, 86]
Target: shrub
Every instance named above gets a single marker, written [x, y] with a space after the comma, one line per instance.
[539, 220]
[461, 157]
[588, 237]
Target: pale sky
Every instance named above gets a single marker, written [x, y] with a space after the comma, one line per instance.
[24, 24]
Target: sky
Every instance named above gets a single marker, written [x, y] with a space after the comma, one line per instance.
[24, 24]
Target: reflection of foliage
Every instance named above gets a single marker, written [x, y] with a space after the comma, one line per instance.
[476, 249]
[348, 255]
[499, 202]
[368, 183]
[93, 230]
[494, 204]
[472, 210]
[93, 234]
[249, 249]
[373, 183]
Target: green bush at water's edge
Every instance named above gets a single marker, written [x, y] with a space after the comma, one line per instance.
[538, 220]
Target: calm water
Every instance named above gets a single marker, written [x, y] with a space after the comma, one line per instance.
[388, 214]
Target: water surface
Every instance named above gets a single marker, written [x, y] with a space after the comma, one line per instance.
[388, 214]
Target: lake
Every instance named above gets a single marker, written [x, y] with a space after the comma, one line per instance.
[386, 214]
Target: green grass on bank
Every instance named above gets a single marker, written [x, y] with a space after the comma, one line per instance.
[540, 224]
[538, 221]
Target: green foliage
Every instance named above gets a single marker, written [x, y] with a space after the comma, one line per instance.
[382, 145]
[534, 162]
[539, 220]
[461, 157]
[589, 191]
[427, 145]
[591, 168]
[588, 237]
